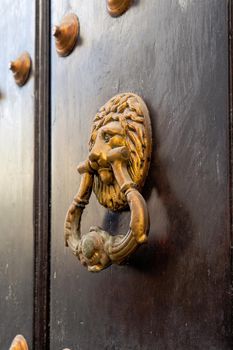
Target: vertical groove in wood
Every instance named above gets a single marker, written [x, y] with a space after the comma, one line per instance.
[230, 18]
[42, 178]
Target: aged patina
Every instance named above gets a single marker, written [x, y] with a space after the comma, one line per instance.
[116, 168]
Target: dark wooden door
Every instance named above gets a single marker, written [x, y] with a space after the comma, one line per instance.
[174, 292]
[17, 26]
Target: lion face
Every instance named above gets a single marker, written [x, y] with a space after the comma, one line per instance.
[122, 121]
[107, 137]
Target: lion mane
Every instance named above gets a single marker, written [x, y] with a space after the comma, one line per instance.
[132, 114]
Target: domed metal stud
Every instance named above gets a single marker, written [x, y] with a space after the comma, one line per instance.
[19, 343]
[117, 7]
[66, 34]
[21, 68]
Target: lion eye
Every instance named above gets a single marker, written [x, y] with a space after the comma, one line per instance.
[106, 137]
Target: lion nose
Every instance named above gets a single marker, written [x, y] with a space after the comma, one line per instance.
[94, 156]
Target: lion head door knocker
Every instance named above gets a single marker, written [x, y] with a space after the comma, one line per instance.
[116, 168]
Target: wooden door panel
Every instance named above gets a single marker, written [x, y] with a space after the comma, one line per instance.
[169, 295]
[17, 27]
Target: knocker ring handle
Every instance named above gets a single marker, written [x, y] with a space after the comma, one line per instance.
[118, 162]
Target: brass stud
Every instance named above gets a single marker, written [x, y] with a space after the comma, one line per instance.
[21, 68]
[66, 34]
[19, 343]
[118, 7]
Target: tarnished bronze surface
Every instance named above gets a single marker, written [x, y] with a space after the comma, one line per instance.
[118, 162]
[117, 7]
[21, 68]
[66, 34]
[19, 343]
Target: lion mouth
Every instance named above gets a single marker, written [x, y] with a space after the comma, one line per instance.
[104, 169]
[106, 175]
[97, 166]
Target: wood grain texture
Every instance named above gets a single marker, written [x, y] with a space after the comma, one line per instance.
[177, 295]
[17, 26]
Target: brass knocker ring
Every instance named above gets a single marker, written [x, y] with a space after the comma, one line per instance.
[118, 162]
